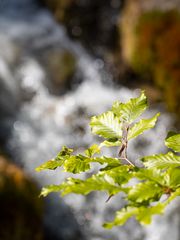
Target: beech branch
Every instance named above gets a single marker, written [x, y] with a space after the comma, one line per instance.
[123, 149]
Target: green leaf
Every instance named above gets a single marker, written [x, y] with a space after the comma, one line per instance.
[152, 174]
[159, 177]
[132, 109]
[110, 143]
[144, 191]
[117, 108]
[92, 150]
[110, 163]
[142, 214]
[106, 125]
[145, 214]
[77, 164]
[51, 188]
[57, 162]
[120, 174]
[65, 152]
[173, 141]
[109, 181]
[162, 160]
[122, 216]
[99, 182]
[106, 160]
[80, 163]
[141, 126]
[174, 177]
[51, 165]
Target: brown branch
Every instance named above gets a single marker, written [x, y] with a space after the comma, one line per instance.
[128, 161]
[123, 150]
[110, 196]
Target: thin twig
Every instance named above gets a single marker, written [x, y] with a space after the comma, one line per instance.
[123, 150]
[110, 196]
[126, 159]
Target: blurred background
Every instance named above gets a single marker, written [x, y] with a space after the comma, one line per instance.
[62, 61]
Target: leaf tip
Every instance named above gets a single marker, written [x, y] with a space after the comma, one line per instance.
[38, 169]
[107, 225]
[44, 192]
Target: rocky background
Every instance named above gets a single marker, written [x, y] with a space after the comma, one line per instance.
[139, 40]
[21, 210]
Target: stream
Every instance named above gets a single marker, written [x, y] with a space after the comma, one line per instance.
[36, 123]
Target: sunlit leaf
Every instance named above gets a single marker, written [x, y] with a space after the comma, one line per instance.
[51, 165]
[142, 214]
[106, 160]
[122, 216]
[80, 163]
[76, 164]
[145, 214]
[94, 149]
[162, 160]
[143, 187]
[132, 109]
[106, 125]
[109, 181]
[173, 141]
[154, 175]
[120, 174]
[144, 191]
[174, 177]
[100, 182]
[48, 189]
[58, 161]
[141, 126]
[110, 143]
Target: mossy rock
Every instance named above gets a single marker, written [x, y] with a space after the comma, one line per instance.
[61, 66]
[21, 209]
[150, 43]
[157, 52]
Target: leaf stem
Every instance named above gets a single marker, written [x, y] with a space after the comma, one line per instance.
[128, 161]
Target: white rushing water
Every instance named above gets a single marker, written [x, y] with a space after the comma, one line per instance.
[47, 122]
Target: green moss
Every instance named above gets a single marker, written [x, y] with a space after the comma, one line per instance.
[61, 67]
[68, 62]
[157, 52]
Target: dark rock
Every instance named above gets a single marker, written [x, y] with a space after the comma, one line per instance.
[150, 41]
[92, 22]
[60, 66]
[21, 209]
